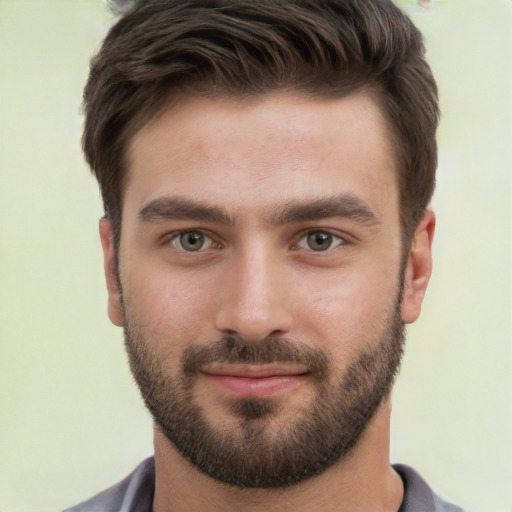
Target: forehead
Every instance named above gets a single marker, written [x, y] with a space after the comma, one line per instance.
[241, 152]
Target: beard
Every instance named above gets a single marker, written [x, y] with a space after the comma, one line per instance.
[257, 450]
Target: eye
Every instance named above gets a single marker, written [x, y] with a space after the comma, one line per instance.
[320, 241]
[192, 241]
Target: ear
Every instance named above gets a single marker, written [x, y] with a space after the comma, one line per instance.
[418, 268]
[115, 309]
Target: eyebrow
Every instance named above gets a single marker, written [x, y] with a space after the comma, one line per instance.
[178, 208]
[342, 205]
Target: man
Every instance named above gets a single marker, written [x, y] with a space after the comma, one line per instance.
[266, 170]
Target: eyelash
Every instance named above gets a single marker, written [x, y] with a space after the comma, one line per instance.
[335, 239]
[176, 242]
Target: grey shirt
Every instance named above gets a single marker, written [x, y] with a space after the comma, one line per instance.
[135, 493]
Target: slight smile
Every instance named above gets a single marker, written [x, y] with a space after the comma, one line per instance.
[255, 381]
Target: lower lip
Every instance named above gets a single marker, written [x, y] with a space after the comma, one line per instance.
[256, 388]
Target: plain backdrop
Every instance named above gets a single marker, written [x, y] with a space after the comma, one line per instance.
[71, 419]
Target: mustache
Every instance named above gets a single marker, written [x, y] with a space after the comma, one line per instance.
[237, 350]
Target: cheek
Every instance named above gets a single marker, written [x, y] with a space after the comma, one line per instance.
[348, 311]
[169, 307]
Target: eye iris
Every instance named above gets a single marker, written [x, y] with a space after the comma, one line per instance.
[319, 241]
[192, 241]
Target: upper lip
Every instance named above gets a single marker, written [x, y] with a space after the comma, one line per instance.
[254, 371]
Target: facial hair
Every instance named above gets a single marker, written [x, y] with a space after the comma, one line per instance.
[254, 454]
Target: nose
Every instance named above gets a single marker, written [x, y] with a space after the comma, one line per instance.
[255, 299]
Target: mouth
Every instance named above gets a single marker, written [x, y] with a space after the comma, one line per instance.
[255, 381]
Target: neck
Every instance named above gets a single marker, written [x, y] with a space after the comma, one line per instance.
[363, 481]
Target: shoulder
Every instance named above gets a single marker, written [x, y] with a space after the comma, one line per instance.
[418, 496]
[133, 494]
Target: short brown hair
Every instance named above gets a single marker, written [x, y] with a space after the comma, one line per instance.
[326, 48]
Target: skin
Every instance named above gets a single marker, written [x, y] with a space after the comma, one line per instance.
[259, 277]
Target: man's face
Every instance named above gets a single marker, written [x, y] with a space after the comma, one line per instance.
[260, 265]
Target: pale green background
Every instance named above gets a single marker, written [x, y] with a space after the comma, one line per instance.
[71, 419]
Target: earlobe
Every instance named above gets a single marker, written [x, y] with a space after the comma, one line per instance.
[418, 268]
[115, 309]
